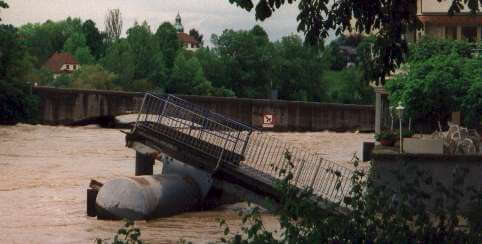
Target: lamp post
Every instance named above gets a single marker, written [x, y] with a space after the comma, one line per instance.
[400, 109]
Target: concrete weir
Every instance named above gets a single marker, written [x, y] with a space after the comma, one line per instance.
[147, 197]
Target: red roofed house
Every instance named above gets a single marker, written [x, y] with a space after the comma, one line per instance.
[62, 63]
[187, 41]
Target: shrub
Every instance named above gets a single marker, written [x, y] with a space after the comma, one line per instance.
[385, 135]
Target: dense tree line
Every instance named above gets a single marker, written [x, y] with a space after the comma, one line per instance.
[241, 63]
[16, 103]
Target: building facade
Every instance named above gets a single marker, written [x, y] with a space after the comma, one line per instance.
[62, 63]
[437, 23]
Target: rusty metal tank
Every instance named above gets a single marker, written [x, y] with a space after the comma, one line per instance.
[146, 197]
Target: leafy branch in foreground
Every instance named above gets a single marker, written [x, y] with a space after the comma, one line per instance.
[128, 234]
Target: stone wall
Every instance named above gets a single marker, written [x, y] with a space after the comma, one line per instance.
[69, 106]
[292, 115]
[72, 106]
[441, 167]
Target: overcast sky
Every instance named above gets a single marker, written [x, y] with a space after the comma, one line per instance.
[207, 16]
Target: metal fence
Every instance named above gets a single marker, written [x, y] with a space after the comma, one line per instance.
[234, 143]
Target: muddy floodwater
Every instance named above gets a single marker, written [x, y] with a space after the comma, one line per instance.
[45, 171]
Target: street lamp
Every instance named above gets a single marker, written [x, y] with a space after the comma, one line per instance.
[400, 109]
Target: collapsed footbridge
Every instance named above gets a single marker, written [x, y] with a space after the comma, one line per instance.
[209, 150]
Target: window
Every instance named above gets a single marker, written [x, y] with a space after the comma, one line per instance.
[469, 33]
[451, 32]
[67, 66]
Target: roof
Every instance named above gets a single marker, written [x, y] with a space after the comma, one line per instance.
[185, 38]
[55, 62]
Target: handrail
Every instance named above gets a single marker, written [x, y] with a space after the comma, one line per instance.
[222, 138]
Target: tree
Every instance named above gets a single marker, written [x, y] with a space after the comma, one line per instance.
[391, 19]
[120, 60]
[247, 55]
[94, 39]
[148, 59]
[77, 46]
[168, 43]
[333, 58]
[433, 88]
[188, 77]
[113, 24]
[195, 34]
[38, 43]
[16, 102]
[297, 70]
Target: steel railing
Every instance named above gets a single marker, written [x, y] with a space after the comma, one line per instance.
[234, 143]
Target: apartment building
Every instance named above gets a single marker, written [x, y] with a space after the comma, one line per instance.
[437, 23]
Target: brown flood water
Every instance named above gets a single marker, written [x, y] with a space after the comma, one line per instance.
[45, 171]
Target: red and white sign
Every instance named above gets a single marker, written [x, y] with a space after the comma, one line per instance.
[268, 121]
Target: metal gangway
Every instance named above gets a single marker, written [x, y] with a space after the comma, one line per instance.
[232, 150]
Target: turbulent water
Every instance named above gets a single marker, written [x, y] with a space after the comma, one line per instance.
[45, 171]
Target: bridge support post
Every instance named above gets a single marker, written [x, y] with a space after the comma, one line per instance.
[144, 164]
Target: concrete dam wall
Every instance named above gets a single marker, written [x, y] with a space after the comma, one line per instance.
[73, 106]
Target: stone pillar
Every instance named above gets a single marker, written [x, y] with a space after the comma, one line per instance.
[144, 164]
[381, 105]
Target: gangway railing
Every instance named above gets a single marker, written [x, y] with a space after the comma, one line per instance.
[236, 144]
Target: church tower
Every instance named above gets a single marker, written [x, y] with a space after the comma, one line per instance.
[178, 24]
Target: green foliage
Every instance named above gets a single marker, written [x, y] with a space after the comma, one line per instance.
[16, 101]
[390, 19]
[247, 55]
[42, 76]
[168, 43]
[333, 58]
[61, 81]
[347, 86]
[433, 88]
[76, 44]
[296, 70]
[413, 208]
[242, 63]
[188, 77]
[128, 234]
[429, 47]
[94, 39]
[93, 77]
[385, 135]
[472, 104]
[120, 60]
[141, 85]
